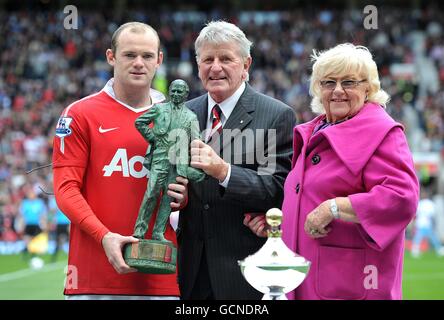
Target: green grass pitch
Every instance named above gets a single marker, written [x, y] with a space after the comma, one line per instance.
[423, 278]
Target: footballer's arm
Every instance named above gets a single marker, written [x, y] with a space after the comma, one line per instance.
[67, 185]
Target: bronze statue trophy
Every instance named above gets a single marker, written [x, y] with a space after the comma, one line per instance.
[174, 127]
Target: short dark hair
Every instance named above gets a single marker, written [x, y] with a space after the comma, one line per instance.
[136, 27]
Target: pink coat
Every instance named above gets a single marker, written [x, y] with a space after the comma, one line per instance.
[367, 159]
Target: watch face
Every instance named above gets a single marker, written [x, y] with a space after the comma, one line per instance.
[334, 209]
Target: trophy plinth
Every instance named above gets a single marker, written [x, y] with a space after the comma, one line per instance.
[274, 270]
[151, 256]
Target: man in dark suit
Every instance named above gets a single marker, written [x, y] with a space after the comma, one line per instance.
[247, 156]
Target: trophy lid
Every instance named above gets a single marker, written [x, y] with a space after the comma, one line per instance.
[275, 254]
[274, 269]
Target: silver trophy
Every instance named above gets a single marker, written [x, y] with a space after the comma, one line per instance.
[274, 270]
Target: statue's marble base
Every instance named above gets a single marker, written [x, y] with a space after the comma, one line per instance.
[151, 256]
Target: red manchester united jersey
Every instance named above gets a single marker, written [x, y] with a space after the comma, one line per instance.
[99, 152]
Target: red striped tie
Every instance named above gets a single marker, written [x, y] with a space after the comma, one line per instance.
[216, 127]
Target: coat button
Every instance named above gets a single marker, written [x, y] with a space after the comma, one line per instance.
[315, 159]
[206, 206]
[298, 186]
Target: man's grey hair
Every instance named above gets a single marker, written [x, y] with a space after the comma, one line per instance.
[218, 32]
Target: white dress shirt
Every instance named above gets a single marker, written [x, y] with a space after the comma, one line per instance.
[227, 107]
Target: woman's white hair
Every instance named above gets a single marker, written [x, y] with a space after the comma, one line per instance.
[219, 32]
[344, 60]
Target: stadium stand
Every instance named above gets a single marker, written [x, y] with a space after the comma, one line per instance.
[45, 67]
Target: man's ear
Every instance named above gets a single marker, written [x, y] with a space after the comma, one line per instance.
[110, 57]
[247, 64]
[159, 58]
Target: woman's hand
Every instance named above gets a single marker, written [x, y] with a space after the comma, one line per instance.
[317, 221]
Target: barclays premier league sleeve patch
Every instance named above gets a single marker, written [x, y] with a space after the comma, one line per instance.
[62, 128]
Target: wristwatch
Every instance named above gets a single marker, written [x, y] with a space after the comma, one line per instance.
[334, 208]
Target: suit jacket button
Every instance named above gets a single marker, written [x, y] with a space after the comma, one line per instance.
[298, 187]
[206, 206]
[315, 159]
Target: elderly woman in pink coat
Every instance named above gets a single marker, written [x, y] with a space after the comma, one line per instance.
[352, 189]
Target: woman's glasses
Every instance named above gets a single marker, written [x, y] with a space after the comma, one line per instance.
[345, 84]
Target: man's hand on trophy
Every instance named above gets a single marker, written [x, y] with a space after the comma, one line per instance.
[113, 244]
[179, 192]
[195, 175]
[205, 158]
[257, 223]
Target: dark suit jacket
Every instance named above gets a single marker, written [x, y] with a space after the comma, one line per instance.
[212, 222]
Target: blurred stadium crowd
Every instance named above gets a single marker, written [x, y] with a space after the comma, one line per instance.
[44, 67]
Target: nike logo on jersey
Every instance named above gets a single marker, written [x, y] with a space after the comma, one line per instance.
[101, 130]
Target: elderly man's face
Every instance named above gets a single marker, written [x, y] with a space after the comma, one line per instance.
[222, 69]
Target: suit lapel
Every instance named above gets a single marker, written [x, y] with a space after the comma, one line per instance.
[200, 109]
[239, 118]
[241, 115]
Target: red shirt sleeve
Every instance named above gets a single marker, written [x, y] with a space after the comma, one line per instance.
[70, 158]
[67, 185]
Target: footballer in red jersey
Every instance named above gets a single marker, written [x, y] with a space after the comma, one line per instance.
[99, 177]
